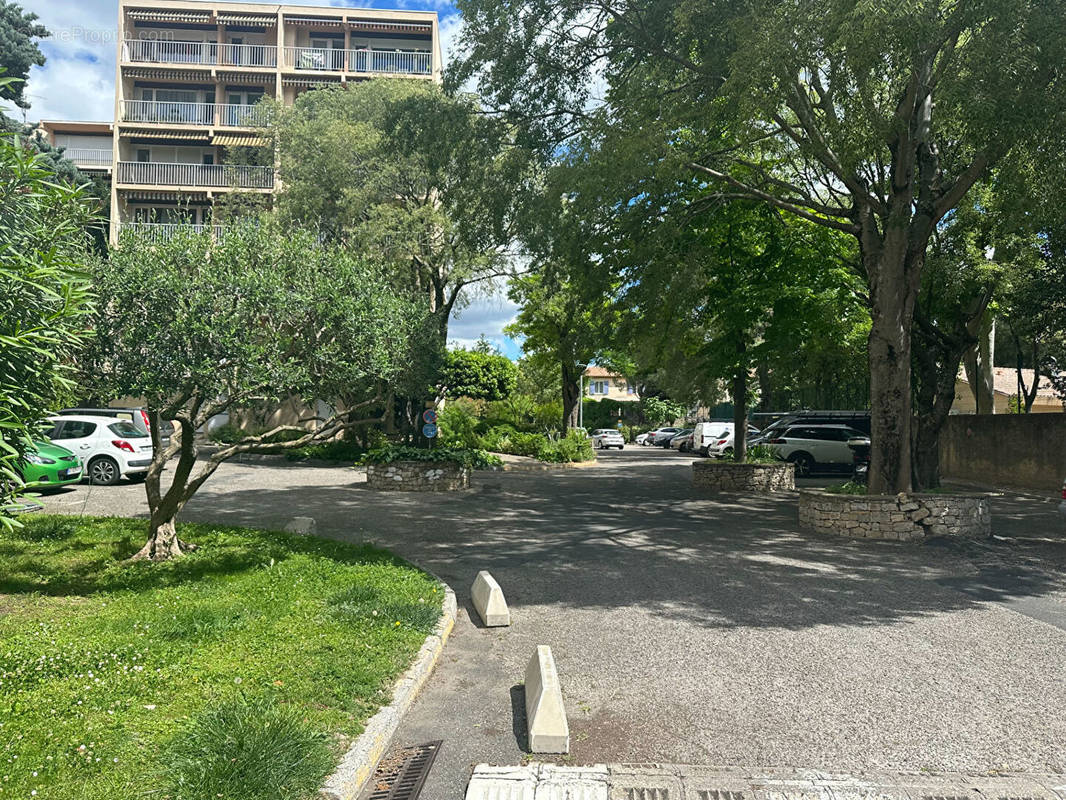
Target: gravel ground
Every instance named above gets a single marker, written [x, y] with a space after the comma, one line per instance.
[695, 629]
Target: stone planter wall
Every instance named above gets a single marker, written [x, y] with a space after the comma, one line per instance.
[902, 517]
[726, 476]
[418, 476]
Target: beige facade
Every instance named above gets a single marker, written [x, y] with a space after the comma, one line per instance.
[1005, 382]
[601, 384]
[88, 144]
[189, 75]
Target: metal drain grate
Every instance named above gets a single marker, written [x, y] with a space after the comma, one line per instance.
[401, 774]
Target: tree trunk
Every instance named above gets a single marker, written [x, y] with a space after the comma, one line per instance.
[978, 363]
[893, 291]
[163, 542]
[571, 397]
[740, 412]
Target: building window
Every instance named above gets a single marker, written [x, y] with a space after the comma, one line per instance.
[598, 387]
[630, 388]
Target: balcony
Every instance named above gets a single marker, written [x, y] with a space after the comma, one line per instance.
[162, 231]
[211, 114]
[88, 158]
[216, 176]
[389, 62]
[161, 51]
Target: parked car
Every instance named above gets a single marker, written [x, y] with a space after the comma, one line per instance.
[816, 447]
[859, 420]
[641, 438]
[603, 438]
[137, 415]
[660, 435]
[680, 441]
[49, 465]
[110, 449]
[860, 459]
[723, 446]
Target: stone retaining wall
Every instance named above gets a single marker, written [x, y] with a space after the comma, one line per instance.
[727, 476]
[418, 476]
[902, 517]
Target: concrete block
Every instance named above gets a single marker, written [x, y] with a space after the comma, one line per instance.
[489, 600]
[545, 714]
[304, 526]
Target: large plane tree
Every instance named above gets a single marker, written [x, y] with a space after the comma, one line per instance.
[871, 119]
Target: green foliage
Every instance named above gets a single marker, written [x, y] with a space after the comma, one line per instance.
[457, 425]
[153, 667]
[660, 411]
[847, 487]
[245, 749]
[415, 179]
[606, 412]
[333, 450]
[45, 297]
[478, 375]
[761, 454]
[465, 457]
[574, 446]
[228, 433]
[18, 50]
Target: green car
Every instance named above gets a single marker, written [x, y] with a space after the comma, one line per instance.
[49, 465]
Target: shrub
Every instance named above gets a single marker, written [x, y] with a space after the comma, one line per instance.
[335, 450]
[227, 434]
[246, 748]
[466, 457]
[762, 454]
[848, 487]
[458, 422]
[572, 447]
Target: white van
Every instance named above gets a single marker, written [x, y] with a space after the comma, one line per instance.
[705, 434]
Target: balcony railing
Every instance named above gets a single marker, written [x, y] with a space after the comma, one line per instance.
[88, 158]
[379, 61]
[162, 51]
[224, 114]
[241, 116]
[170, 113]
[221, 176]
[162, 231]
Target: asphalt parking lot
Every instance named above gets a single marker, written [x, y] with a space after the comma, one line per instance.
[693, 628]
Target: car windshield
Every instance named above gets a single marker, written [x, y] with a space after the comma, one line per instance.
[127, 430]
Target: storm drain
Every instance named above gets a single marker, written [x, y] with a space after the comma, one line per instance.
[401, 774]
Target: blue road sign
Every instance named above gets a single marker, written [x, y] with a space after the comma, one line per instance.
[429, 430]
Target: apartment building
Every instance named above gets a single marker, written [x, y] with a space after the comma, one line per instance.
[88, 144]
[189, 75]
[603, 384]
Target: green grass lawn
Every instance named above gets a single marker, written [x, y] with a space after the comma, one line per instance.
[241, 670]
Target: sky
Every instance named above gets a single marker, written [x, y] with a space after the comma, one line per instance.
[77, 82]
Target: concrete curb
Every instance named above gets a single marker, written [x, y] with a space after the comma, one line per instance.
[359, 762]
[547, 781]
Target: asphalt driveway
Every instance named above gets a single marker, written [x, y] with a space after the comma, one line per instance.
[691, 628]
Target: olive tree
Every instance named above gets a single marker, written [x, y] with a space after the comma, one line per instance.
[198, 325]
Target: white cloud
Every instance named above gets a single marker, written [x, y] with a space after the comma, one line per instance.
[486, 315]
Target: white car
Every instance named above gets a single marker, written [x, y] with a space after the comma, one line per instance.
[641, 438]
[813, 447]
[602, 438]
[722, 446]
[109, 448]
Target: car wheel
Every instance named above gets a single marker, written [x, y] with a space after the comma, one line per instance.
[804, 464]
[103, 471]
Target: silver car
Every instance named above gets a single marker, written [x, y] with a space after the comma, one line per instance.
[602, 438]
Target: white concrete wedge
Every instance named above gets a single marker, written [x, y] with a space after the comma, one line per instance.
[489, 600]
[545, 714]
